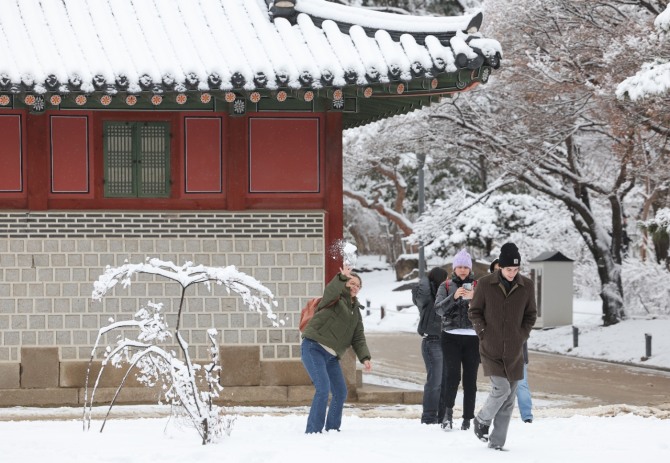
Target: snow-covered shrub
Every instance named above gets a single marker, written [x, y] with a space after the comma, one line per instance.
[658, 228]
[190, 388]
[646, 287]
[535, 224]
[521, 218]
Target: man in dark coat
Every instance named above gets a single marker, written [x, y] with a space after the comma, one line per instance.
[502, 311]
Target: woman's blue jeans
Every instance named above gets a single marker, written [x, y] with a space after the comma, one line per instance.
[326, 374]
[431, 350]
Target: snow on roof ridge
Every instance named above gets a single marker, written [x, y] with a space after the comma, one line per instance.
[383, 20]
[178, 45]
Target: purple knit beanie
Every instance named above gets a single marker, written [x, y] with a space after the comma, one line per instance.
[462, 259]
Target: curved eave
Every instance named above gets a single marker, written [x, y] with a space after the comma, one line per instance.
[53, 86]
[360, 104]
[385, 106]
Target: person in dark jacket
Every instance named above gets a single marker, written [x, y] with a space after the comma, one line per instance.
[523, 397]
[336, 325]
[430, 327]
[503, 312]
[460, 345]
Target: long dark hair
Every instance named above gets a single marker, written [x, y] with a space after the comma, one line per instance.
[492, 267]
[436, 277]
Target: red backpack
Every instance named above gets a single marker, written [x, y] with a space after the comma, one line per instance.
[309, 310]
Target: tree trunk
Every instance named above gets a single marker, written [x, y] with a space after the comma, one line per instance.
[597, 239]
[611, 290]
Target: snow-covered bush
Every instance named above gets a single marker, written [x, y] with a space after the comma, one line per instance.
[658, 229]
[646, 287]
[660, 222]
[535, 224]
[190, 388]
[484, 226]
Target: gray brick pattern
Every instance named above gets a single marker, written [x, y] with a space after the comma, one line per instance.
[49, 261]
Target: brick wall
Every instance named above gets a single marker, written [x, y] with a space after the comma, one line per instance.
[49, 261]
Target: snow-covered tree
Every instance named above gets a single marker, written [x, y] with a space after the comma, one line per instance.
[551, 121]
[190, 388]
[381, 167]
[647, 93]
[654, 77]
[378, 175]
[484, 225]
[381, 160]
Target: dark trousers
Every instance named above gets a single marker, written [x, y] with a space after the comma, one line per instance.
[459, 350]
[431, 350]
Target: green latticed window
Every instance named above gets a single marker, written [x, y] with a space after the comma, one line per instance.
[137, 159]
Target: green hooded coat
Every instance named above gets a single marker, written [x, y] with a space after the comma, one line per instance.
[338, 325]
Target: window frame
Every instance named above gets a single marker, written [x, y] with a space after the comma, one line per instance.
[137, 158]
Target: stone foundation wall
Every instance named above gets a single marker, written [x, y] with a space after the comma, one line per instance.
[42, 380]
[49, 261]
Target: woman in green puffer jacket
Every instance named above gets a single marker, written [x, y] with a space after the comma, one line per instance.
[336, 325]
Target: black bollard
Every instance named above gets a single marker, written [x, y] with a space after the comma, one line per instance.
[575, 336]
[382, 312]
[367, 307]
[647, 345]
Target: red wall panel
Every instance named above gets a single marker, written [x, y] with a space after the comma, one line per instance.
[202, 155]
[69, 154]
[11, 156]
[284, 155]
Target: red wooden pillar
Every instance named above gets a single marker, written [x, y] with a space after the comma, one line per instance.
[333, 190]
[37, 162]
[237, 162]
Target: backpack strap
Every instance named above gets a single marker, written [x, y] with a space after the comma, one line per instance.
[330, 304]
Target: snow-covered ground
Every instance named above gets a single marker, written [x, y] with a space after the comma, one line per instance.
[270, 438]
[385, 433]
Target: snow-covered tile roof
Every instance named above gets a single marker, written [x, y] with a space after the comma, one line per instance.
[63, 46]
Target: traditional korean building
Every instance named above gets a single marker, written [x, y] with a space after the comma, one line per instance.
[203, 131]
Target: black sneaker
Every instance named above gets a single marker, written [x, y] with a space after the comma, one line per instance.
[529, 420]
[481, 430]
[466, 424]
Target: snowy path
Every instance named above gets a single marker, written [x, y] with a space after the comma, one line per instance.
[556, 380]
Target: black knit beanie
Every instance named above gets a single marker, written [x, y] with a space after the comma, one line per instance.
[509, 256]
